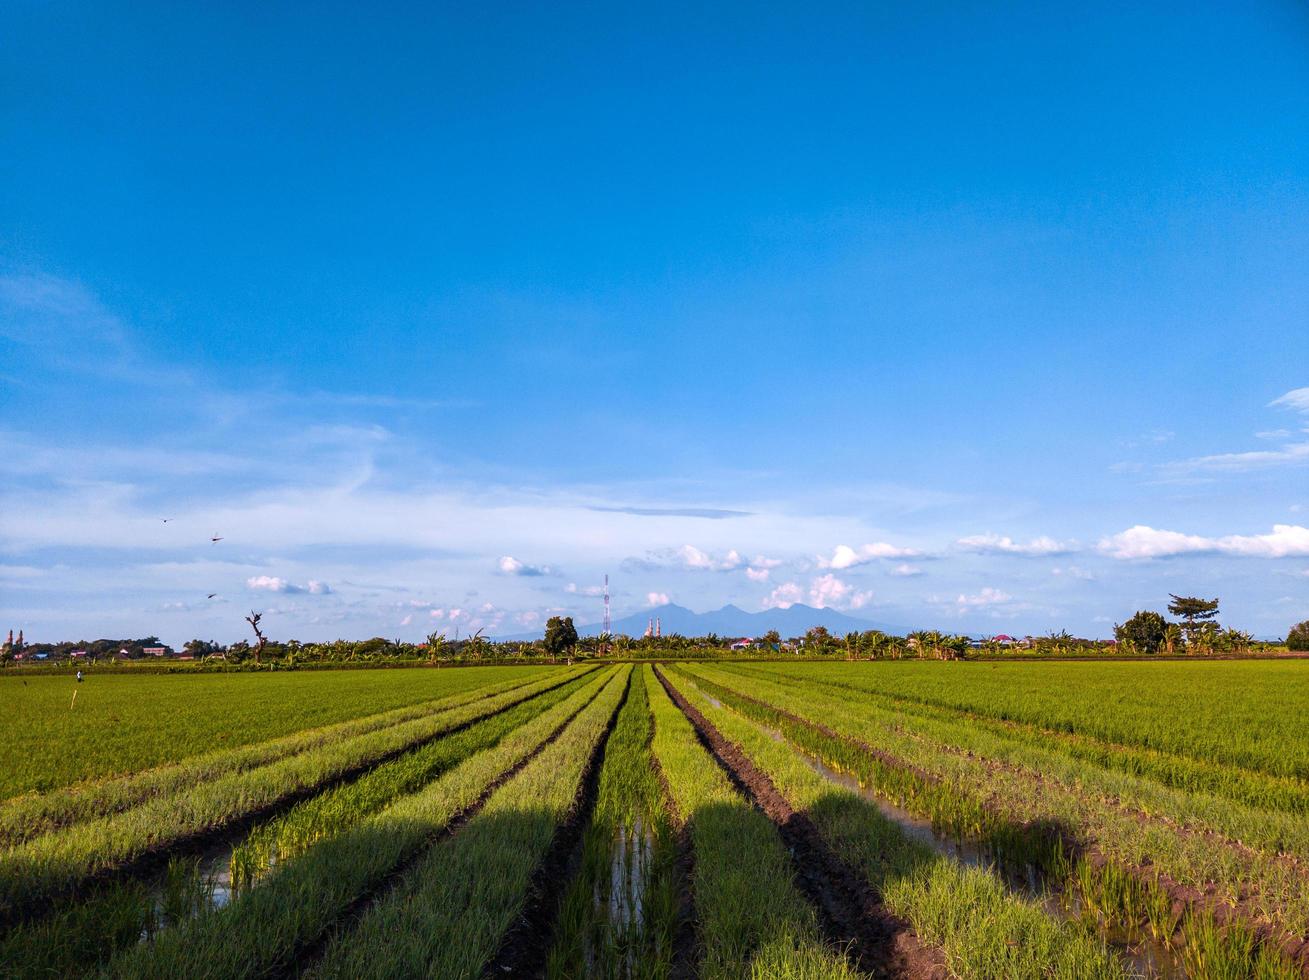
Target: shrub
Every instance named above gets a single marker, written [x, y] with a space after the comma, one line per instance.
[1298, 638]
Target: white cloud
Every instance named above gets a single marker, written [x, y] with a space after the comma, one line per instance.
[757, 574]
[1072, 571]
[656, 598]
[510, 565]
[588, 590]
[437, 613]
[1297, 400]
[760, 561]
[905, 570]
[846, 557]
[829, 591]
[693, 558]
[994, 544]
[784, 596]
[272, 583]
[1285, 541]
[407, 620]
[1254, 459]
[987, 597]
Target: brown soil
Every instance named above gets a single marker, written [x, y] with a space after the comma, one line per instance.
[851, 913]
[525, 948]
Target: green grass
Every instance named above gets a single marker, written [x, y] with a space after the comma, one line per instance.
[448, 917]
[122, 723]
[264, 931]
[30, 815]
[1246, 713]
[618, 916]
[985, 931]
[752, 921]
[45, 866]
[1009, 810]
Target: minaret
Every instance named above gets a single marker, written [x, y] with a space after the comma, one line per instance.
[19, 646]
[649, 627]
[658, 633]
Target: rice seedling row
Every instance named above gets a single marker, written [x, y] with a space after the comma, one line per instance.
[619, 916]
[452, 912]
[130, 842]
[71, 937]
[983, 929]
[30, 815]
[750, 918]
[1037, 824]
[125, 723]
[1247, 714]
[292, 915]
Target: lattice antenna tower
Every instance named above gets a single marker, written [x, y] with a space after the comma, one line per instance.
[606, 630]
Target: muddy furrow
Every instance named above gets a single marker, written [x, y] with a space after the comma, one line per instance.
[304, 958]
[526, 945]
[851, 914]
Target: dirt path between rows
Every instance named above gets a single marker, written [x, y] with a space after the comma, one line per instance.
[525, 948]
[851, 913]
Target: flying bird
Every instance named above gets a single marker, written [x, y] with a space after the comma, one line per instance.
[211, 595]
[215, 539]
[165, 519]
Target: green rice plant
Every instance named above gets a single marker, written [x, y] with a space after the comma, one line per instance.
[30, 815]
[1036, 788]
[1162, 914]
[1232, 952]
[984, 929]
[752, 920]
[617, 919]
[450, 913]
[1107, 885]
[329, 813]
[54, 863]
[124, 723]
[266, 930]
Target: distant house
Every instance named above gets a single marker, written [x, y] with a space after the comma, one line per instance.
[745, 643]
[154, 651]
[78, 653]
[1004, 639]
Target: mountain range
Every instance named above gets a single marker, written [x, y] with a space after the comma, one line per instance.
[731, 620]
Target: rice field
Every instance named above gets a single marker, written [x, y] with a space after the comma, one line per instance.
[714, 820]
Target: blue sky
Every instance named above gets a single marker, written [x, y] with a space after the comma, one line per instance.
[977, 317]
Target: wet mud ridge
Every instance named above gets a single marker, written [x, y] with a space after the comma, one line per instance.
[307, 956]
[525, 948]
[851, 913]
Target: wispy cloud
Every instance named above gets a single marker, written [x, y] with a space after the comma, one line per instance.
[995, 544]
[1141, 541]
[708, 513]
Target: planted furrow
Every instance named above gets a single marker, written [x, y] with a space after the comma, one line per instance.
[1126, 893]
[851, 914]
[525, 947]
[270, 845]
[453, 908]
[288, 918]
[134, 841]
[984, 930]
[26, 817]
[750, 918]
[619, 915]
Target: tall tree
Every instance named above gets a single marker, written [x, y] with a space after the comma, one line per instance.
[560, 636]
[1298, 637]
[1194, 611]
[253, 620]
[1145, 632]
